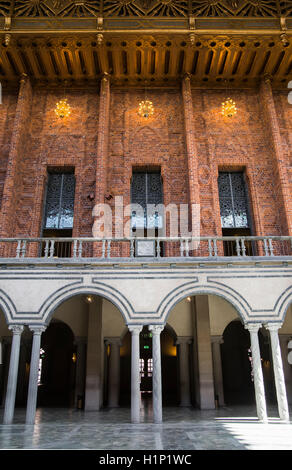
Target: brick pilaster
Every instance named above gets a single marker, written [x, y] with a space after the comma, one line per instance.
[103, 139]
[102, 146]
[17, 150]
[192, 154]
[281, 182]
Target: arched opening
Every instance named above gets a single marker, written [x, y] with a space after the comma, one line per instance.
[76, 355]
[237, 366]
[5, 347]
[207, 369]
[57, 366]
[169, 367]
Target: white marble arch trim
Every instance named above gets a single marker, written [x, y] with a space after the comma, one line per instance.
[191, 288]
[277, 311]
[103, 290]
[7, 306]
[284, 302]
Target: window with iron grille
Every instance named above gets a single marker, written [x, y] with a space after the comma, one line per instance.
[233, 200]
[59, 210]
[146, 188]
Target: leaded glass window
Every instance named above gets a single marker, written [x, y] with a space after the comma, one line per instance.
[146, 189]
[233, 200]
[59, 209]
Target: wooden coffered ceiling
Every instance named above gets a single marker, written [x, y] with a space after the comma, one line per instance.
[136, 40]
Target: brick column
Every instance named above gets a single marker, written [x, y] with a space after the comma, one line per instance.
[17, 149]
[281, 179]
[192, 156]
[102, 152]
[103, 137]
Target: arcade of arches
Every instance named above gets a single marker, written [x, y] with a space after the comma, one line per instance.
[85, 357]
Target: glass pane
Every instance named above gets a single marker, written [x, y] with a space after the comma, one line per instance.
[226, 211]
[233, 200]
[53, 201]
[60, 201]
[67, 203]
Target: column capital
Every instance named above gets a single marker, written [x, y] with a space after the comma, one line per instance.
[156, 329]
[267, 79]
[183, 340]
[23, 78]
[80, 340]
[37, 329]
[135, 329]
[16, 329]
[105, 77]
[252, 327]
[187, 77]
[113, 340]
[273, 326]
[217, 339]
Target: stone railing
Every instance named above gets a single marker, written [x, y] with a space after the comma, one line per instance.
[78, 249]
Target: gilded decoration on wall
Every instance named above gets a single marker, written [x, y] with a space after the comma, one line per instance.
[151, 8]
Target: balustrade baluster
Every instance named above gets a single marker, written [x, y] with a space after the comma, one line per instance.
[52, 245]
[132, 242]
[238, 250]
[109, 248]
[215, 247]
[46, 253]
[181, 248]
[80, 249]
[23, 249]
[210, 248]
[103, 248]
[243, 249]
[266, 247]
[271, 247]
[18, 249]
[75, 249]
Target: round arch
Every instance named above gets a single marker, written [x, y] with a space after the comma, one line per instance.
[283, 303]
[191, 289]
[7, 306]
[101, 290]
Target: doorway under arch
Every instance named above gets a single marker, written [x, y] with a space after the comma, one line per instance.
[237, 366]
[57, 366]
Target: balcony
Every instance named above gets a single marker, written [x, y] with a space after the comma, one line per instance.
[135, 250]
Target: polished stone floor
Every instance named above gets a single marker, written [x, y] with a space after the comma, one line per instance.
[227, 428]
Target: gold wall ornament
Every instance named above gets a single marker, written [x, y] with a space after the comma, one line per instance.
[228, 108]
[63, 109]
[146, 109]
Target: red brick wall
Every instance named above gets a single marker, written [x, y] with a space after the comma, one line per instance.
[7, 116]
[238, 143]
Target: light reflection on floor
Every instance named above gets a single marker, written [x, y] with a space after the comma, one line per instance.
[227, 428]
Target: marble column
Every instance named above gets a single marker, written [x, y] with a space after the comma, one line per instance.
[184, 370]
[217, 368]
[114, 372]
[81, 343]
[278, 370]
[13, 372]
[286, 350]
[135, 373]
[253, 329]
[156, 375]
[33, 373]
